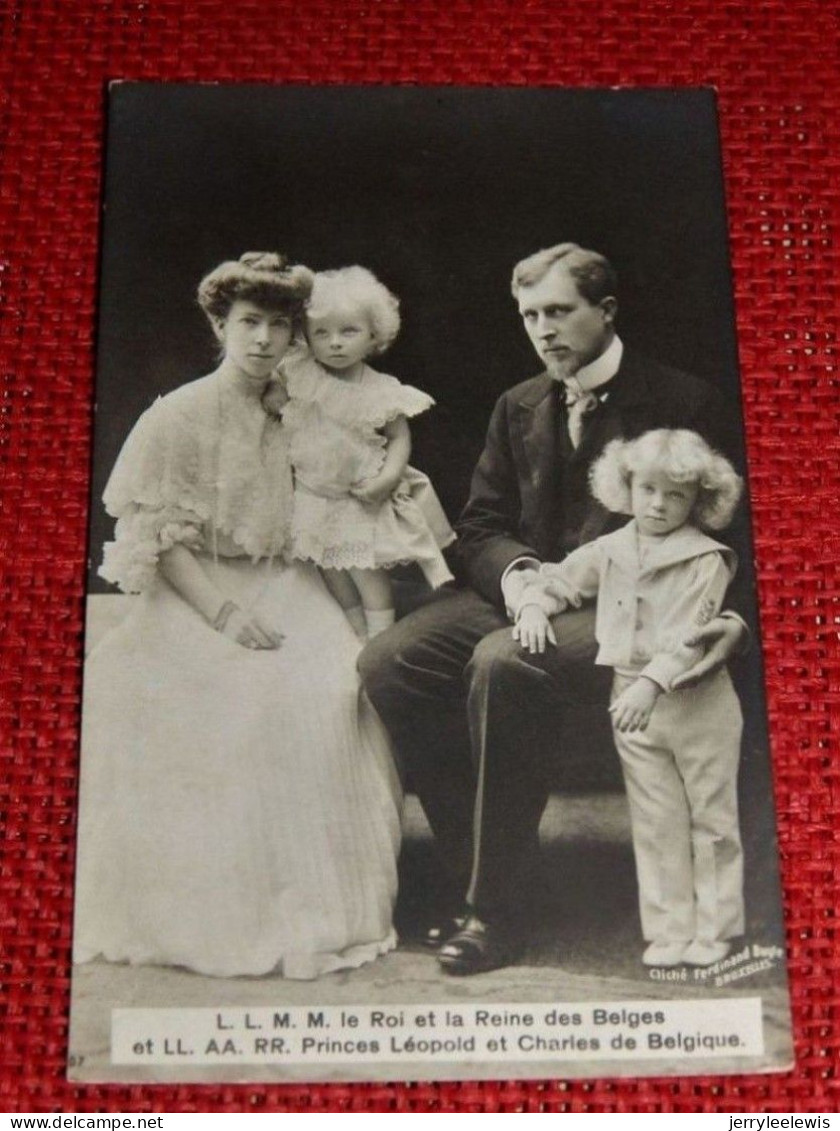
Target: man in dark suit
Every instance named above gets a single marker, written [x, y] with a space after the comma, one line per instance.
[473, 715]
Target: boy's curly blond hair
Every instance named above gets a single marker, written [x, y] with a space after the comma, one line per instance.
[684, 457]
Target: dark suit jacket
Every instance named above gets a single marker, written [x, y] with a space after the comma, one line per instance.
[513, 508]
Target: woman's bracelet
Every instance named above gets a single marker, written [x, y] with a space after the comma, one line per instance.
[223, 615]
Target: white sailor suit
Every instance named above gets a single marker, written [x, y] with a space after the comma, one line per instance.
[681, 772]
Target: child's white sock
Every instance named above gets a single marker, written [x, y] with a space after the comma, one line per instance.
[356, 616]
[378, 620]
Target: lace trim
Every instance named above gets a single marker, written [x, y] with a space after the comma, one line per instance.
[373, 402]
[130, 561]
[347, 556]
[204, 457]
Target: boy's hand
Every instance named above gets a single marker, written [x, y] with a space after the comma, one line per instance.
[533, 629]
[373, 492]
[634, 706]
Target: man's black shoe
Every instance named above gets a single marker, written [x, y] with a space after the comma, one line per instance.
[476, 948]
[441, 932]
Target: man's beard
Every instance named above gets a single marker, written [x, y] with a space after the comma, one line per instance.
[564, 366]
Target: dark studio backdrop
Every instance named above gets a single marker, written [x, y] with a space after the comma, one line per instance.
[439, 191]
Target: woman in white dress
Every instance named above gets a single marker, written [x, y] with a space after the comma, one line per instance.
[239, 807]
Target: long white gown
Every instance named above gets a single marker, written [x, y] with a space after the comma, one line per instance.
[239, 810]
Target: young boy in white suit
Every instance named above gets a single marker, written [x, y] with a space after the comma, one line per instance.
[657, 580]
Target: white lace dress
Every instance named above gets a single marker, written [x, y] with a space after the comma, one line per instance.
[337, 443]
[239, 809]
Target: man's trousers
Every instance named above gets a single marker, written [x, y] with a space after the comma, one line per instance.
[476, 720]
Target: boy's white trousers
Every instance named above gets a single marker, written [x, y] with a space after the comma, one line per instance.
[681, 777]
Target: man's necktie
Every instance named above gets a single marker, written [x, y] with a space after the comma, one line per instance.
[579, 404]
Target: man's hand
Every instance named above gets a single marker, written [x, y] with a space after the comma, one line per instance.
[533, 629]
[374, 492]
[634, 706]
[722, 638]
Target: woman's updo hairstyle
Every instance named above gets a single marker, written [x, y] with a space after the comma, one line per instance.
[262, 277]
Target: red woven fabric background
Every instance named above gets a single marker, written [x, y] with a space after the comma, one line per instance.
[775, 67]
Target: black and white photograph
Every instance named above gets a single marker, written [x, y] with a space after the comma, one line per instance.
[423, 729]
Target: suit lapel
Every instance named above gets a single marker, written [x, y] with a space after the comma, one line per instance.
[536, 435]
[633, 398]
[538, 431]
[604, 427]
[624, 414]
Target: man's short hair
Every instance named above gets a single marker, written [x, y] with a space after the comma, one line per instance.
[594, 275]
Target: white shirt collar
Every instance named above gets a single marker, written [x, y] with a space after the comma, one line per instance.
[603, 368]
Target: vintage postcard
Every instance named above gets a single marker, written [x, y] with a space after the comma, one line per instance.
[423, 730]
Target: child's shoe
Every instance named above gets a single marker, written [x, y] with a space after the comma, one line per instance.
[664, 953]
[700, 952]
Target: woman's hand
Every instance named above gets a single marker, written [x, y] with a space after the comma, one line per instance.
[533, 629]
[248, 632]
[722, 638]
[374, 492]
[634, 706]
